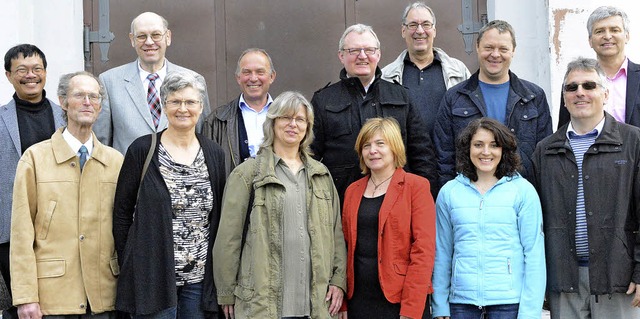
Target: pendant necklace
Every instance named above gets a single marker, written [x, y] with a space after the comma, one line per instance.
[376, 186]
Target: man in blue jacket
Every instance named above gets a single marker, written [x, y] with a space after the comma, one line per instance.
[587, 177]
[496, 92]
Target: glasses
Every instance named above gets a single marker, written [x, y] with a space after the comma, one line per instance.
[178, 103]
[22, 71]
[81, 96]
[155, 37]
[588, 86]
[299, 120]
[413, 26]
[356, 51]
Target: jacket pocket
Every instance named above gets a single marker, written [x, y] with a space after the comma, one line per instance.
[50, 268]
[339, 120]
[45, 220]
[401, 268]
[115, 268]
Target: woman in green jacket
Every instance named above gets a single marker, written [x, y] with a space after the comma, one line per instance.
[290, 262]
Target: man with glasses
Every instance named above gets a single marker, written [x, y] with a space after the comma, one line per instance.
[425, 70]
[587, 177]
[237, 126]
[63, 258]
[132, 105]
[30, 117]
[342, 108]
[608, 29]
[496, 92]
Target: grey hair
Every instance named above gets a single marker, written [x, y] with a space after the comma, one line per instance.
[360, 29]
[256, 50]
[585, 64]
[65, 84]
[502, 27]
[178, 80]
[287, 104]
[165, 23]
[604, 12]
[418, 5]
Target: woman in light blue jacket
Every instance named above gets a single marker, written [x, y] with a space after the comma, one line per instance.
[489, 245]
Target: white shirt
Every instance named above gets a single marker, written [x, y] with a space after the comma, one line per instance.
[144, 74]
[253, 122]
[75, 144]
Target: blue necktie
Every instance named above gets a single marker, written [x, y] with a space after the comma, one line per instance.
[83, 156]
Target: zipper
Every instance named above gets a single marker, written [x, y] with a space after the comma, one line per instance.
[509, 264]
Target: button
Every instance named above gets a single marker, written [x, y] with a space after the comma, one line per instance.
[466, 112]
[73, 164]
[82, 306]
[586, 177]
[590, 213]
[513, 130]
[525, 116]
[571, 288]
[569, 213]
[595, 149]
[81, 237]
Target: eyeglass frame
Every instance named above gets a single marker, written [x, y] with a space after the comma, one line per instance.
[573, 87]
[83, 96]
[413, 26]
[298, 120]
[190, 104]
[23, 71]
[357, 51]
[139, 38]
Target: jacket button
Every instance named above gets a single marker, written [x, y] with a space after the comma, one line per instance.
[513, 130]
[590, 213]
[525, 116]
[373, 104]
[82, 306]
[73, 164]
[595, 149]
[466, 112]
[571, 288]
[586, 177]
[569, 213]
[81, 237]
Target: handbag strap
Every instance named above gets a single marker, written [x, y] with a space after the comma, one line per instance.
[147, 161]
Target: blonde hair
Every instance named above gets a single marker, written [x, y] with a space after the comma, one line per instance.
[390, 130]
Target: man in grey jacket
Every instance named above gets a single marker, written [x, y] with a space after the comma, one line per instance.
[237, 126]
[428, 72]
[132, 105]
[30, 117]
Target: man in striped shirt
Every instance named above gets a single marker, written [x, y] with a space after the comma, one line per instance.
[589, 185]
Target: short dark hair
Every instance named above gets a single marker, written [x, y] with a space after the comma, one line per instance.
[502, 27]
[26, 50]
[510, 160]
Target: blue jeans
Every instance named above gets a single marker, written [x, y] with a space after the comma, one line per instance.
[464, 311]
[189, 305]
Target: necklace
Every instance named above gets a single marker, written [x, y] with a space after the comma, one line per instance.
[376, 186]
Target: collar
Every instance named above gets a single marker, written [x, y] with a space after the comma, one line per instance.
[75, 144]
[20, 101]
[354, 81]
[143, 73]
[244, 106]
[597, 129]
[436, 57]
[622, 71]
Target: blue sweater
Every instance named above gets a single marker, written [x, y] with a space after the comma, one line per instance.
[489, 248]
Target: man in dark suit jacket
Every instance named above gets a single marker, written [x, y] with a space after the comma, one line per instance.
[126, 114]
[608, 35]
[26, 120]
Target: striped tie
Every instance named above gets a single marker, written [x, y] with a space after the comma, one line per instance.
[153, 99]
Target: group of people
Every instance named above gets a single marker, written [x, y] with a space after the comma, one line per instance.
[417, 190]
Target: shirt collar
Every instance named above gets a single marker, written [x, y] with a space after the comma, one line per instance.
[242, 104]
[622, 71]
[75, 144]
[161, 73]
[597, 129]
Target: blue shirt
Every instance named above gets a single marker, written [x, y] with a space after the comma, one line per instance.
[253, 122]
[495, 98]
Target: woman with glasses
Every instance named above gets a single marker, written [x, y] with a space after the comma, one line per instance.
[280, 250]
[164, 225]
[490, 259]
[389, 227]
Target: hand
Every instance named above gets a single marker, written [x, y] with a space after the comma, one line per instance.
[29, 311]
[632, 287]
[228, 312]
[334, 294]
[342, 315]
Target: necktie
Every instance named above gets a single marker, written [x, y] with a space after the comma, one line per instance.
[153, 99]
[83, 156]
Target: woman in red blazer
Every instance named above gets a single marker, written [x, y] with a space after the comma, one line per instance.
[389, 226]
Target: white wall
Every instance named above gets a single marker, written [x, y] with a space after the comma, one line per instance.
[54, 26]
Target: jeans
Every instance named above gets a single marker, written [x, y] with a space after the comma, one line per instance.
[189, 305]
[464, 311]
